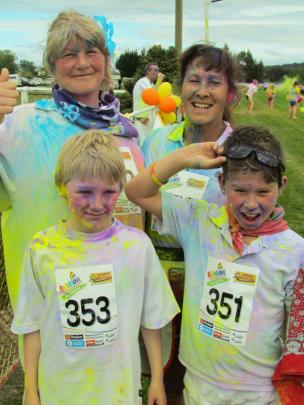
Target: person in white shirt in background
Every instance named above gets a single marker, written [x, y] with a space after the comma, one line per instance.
[152, 78]
[251, 90]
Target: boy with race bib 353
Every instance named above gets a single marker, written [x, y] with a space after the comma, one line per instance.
[241, 263]
[88, 285]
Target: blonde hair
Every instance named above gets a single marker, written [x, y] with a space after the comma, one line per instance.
[92, 154]
[68, 27]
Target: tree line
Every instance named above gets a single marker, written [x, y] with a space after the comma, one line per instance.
[25, 67]
[131, 65]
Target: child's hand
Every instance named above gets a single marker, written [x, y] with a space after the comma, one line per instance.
[157, 393]
[205, 155]
[31, 397]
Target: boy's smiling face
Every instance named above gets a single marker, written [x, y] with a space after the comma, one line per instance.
[250, 198]
[92, 203]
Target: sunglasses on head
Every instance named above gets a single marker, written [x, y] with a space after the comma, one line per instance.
[265, 157]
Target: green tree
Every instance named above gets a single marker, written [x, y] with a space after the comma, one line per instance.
[277, 72]
[165, 58]
[251, 68]
[127, 64]
[8, 60]
[226, 48]
[27, 69]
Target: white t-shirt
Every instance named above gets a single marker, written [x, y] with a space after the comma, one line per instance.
[202, 229]
[140, 86]
[252, 88]
[77, 371]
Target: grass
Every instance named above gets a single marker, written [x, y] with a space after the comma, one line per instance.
[291, 135]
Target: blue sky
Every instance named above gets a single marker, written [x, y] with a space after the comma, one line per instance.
[272, 29]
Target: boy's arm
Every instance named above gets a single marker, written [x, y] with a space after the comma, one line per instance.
[32, 350]
[143, 191]
[156, 391]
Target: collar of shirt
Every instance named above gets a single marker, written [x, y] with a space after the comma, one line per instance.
[219, 217]
[178, 132]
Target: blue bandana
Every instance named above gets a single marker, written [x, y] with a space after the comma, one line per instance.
[106, 116]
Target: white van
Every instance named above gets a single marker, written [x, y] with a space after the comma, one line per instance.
[16, 78]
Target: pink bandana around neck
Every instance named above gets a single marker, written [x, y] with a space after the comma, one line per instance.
[274, 224]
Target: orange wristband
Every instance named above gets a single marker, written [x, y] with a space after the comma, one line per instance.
[154, 178]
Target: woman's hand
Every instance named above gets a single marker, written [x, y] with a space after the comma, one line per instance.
[8, 94]
[204, 155]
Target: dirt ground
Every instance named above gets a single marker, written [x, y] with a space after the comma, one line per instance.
[11, 392]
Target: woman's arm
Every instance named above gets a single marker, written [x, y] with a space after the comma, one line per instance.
[143, 189]
[152, 340]
[32, 350]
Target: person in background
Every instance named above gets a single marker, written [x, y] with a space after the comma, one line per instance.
[251, 90]
[270, 94]
[89, 283]
[153, 78]
[208, 84]
[242, 263]
[31, 136]
[293, 95]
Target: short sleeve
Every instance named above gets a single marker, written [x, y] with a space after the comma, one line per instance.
[159, 305]
[31, 301]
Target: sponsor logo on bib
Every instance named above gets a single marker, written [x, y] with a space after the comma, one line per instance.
[245, 278]
[217, 276]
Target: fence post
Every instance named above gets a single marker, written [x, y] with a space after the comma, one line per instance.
[24, 95]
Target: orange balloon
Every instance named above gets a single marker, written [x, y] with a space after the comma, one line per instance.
[167, 104]
[150, 96]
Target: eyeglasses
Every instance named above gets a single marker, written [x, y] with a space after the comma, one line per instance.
[265, 157]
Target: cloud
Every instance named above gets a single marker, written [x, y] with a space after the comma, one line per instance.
[273, 32]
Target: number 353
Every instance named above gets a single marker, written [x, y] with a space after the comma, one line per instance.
[224, 305]
[88, 310]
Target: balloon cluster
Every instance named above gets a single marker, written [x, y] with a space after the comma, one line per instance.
[164, 100]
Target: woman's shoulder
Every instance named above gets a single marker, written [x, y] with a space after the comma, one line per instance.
[287, 240]
[27, 108]
[162, 131]
[157, 144]
[20, 115]
[32, 108]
